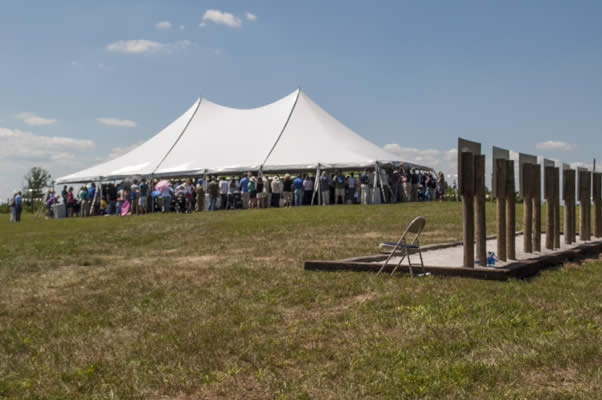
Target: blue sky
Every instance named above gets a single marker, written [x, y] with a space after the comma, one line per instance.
[81, 81]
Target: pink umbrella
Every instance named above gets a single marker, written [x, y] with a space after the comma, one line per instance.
[162, 185]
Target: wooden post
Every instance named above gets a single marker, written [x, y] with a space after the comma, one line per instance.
[573, 204]
[556, 208]
[480, 223]
[467, 192]
[567, 212]
[597, 194]
[537, 208]
[500, 214]
[528, 208]
[588, 206]
[510, 211]
[581, 194]
[549, 195]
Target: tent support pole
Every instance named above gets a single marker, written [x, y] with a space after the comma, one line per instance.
[382, 186]
[91, 210]
[316, 187]
[374, 184]
[152, 188]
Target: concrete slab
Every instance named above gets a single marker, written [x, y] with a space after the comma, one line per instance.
[452, 256]
[447, 259]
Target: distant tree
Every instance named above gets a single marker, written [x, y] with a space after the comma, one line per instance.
[35, 180]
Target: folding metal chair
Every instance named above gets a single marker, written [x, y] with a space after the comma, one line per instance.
[407, 244]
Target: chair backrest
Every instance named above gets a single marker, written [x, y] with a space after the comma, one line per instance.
[416, 226]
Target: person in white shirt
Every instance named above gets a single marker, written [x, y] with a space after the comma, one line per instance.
[223, 191]
[276, 188]
[308, 189]
[350, 188]
[188, 189]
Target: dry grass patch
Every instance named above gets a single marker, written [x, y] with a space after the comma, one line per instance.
[137, 308]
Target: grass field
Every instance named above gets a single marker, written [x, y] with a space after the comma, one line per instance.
[217, 305]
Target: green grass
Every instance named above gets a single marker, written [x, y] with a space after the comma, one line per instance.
[217, 305]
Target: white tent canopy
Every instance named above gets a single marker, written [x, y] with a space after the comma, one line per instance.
[293, 133]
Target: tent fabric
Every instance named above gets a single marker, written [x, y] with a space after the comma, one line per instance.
[227, 139]
[142, 160]
[292, 133]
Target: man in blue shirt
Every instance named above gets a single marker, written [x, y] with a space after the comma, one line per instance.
[18, 206]
[244, 189]
[91, 200]
[298, 185]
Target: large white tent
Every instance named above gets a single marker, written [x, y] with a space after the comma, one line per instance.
[291, 134]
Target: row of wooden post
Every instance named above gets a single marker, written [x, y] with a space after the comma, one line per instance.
[473, 199]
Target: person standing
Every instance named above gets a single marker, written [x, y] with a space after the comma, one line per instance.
[233, 191]
[252, 192]
[70, 202]
[143, 197]
[166, 194]
[287, 191]
[134, 195]
[298, 186]
[13, 208]
[350, 195]
[112, 196]
[188, 189]
[213, 189]
[365, 188]
[84, 204]
[415, 184]
[223, 192]
[441, 186]
[49, 202]
[276, 192]
[339, 188]
[18, 206]
[308, 189]
[325, 188]
[259, 187]
[244, 190]
[91, 199]
[200, 195]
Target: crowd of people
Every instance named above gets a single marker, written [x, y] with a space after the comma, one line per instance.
[139, 196]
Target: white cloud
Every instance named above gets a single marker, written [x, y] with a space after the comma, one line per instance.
[35, 120]
[142, 46]
[119, 151]
[21, 150]
[220, 17]
[27, 143]
[555, 145]
[163, 25]
[182, 27]
[251, 16]
[444, 160]
[124, 123]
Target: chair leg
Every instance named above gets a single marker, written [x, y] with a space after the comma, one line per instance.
[390, 255]
[421, 260]
[398, 263]
[388, 258]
